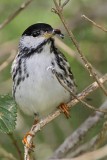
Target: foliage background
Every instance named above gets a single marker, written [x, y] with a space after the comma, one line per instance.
[94, 45]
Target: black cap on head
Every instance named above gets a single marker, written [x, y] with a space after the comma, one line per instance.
[37, 27]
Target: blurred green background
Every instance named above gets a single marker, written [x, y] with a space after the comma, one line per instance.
[93, 43]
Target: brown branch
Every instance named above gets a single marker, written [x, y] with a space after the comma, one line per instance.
[12, 16]
[102, 136]
[7, 61]
[95, 142]
[49, 118]
[94, 23]
[15, 143]
[58, 10]
[88, 146]
[77, 136]
[64, 4]
[98, 154]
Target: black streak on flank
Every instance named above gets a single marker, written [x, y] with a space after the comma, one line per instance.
[20, 73]
[60, 65]
[19, 67]
[17, 70]
[19, 80]
[53, 64]
[69, 84]
[60, 76]
[25, 69]
[27, 75]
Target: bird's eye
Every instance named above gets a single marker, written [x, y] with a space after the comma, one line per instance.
[36, 33]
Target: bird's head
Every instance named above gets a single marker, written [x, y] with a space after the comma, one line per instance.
[38, 33]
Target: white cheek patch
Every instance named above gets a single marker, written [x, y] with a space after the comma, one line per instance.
[31, 42]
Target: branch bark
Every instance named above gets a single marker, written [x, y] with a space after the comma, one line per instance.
[98, 154]
[71, 142]
[81, 149]
[94, 23]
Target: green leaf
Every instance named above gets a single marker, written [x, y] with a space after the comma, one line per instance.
[8, 114]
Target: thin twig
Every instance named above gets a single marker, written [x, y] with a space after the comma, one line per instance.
[58, 10]
[94, 23]
[65, 3]
[15, 143]
[12, 16]
[49, 118]
[77, 136]
[7, 61]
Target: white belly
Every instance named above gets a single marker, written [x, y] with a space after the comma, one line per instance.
[41, 90]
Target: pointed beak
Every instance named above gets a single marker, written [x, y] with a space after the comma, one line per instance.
[58, 32]
[53, 33]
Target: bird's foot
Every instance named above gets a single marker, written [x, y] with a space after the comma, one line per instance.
[26, 143]
[29, 143]
[65, 109]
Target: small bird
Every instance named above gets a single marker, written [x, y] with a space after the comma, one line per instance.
[38, 69]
